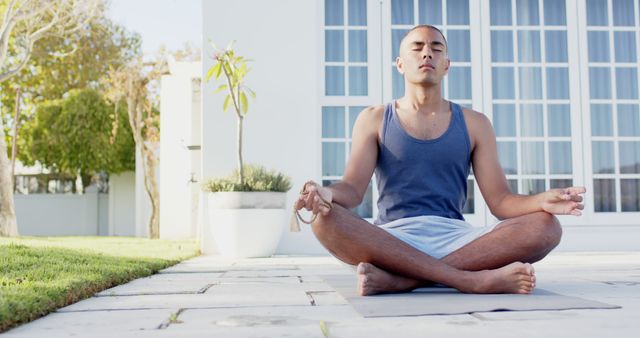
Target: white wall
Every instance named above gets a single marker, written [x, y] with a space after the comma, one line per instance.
[58, 214]
[178, 166]
[122, 205]
[281, 129]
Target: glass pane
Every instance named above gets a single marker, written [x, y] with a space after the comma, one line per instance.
[500, 12]
[563, 183]
[599, 83]
[357, 12]
[597, 13]
[469, 205]
[533, 157]
[396, 38]
[365, 209]
[334, 80]
[531, 123]
[555, 13]
[333, 158]
[358, 46]
[623, 13]
[556, 46]
[358, 82]
[601, 120]
[402, 12]
[625, 46]
[504, 119]
[527, 12]
[530, 83]
[457, 12]
[531, 187]
[508, 157]
[557, 83]
[333, 13]
[529, 46]
[627, 83]
[459, 45]
[628, 120]
[604, 195]
[559, 119]
[397, 83]
[513, 185]
[502, 83]
[430, 12]
[630, 194]
[629, 157]
[332, 122]
[560, 158]
[502, 46]
[460, 83]
[598, 46]
[334, 46]
[602, 159]
[353, 115]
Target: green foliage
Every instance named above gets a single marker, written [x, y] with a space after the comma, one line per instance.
[75, 135]
[59, 65]
[256, 178]
[39, 275]
[235, 69]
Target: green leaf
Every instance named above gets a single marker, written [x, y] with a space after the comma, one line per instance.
[211, 71]
[225, 105]
[219, 70]
[219, 89]
[251, 92]
[324, 329]
[244, 103]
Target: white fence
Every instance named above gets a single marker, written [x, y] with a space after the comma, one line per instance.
[89, 214]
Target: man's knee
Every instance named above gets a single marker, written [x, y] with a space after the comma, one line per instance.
[549, 230]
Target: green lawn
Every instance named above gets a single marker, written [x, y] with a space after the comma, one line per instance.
[39, 275]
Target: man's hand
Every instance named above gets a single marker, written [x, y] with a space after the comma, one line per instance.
[567, 201]
[315, 198]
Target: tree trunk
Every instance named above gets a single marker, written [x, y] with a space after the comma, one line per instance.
[8, 224]
[240, 164]
[149, 165]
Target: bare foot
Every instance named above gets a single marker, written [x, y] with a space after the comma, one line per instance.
[373, 280]
[513, 278]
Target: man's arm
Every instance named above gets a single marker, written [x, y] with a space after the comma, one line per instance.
[350, 191]
[493, 183]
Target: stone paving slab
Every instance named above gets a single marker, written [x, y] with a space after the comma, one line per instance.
[286, 296]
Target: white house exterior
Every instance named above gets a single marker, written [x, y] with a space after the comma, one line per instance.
[558, 79]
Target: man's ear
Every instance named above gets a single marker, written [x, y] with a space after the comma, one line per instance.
[400, 65]
[448, 64]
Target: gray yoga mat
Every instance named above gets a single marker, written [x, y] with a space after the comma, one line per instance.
[447, 301]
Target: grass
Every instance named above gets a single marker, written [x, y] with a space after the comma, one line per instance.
[40, 275]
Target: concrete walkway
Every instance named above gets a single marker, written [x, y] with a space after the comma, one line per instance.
[285, 296]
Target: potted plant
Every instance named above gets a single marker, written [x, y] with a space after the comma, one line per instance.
[246, 209]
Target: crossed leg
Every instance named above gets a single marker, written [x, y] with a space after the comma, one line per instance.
[497, 262]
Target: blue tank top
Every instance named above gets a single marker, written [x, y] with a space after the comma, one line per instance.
[422, 177]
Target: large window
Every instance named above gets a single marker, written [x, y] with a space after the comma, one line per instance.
[612, 35]
[346, 84]
[531, 107]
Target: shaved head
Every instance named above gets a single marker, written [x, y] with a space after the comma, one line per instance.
[424, 26]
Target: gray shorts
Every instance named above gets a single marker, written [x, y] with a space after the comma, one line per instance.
[434, 235]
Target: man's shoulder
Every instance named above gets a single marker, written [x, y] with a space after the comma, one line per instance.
[474, 118]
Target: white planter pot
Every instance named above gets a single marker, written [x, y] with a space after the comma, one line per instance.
[246, 224]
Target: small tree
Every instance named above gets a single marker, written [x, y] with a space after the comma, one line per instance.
[235, 69]
[130, 85]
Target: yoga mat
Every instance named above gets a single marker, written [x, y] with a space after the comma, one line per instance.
[448, 301]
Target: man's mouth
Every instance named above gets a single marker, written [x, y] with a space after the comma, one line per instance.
[427, 65]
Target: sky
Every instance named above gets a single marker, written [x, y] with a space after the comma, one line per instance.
[171, 23]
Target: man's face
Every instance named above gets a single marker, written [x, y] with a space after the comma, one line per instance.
[423, 57]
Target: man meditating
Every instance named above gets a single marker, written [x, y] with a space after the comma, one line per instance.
[421, 148]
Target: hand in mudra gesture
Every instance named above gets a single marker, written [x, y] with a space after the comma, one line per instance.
[315, 198]
[567, 201]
